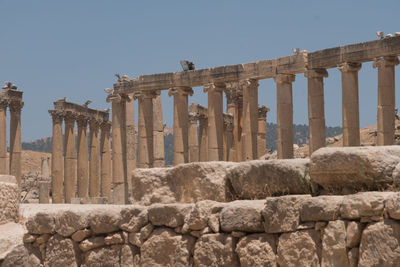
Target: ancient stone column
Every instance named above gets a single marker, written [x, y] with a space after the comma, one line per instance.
[386, 99]
[250, 118]
[69, 157]
[105, 161]
[284, 115]
[203, 139]
[193, 138]
[145, 131]
[3, 137]
[350, 108]
[130, 136]
[15, 139]
[158, 131]
[82, 157]
[44, 192]
[231, 109]
[316, 110]
[215, 121]
[234, 96]
[94, 161]
[181, 123]
[45, 168]
[57, 165]
[262, 131]
[228, 136]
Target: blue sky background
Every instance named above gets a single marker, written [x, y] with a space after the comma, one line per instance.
[52, 49]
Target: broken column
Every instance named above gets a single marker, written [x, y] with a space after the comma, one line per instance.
[106, 180]
[44, 190]
[262, 131]
[145, 129]
[82, 157]
[284, 115]
[193, 138]
[15, 138]
[3, 137]
[57, 165]
[350, 107]
[69, 157]
[45, 171]
[94, 161]
[386, 99]
[316, 110]
[158, 131]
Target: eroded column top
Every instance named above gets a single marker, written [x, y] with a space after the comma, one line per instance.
[316, 73]
[384, 62]
[262, 111]
[180, 91]
[285, 78]
[349, 67]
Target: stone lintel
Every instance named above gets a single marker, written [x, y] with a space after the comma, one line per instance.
[80, 110]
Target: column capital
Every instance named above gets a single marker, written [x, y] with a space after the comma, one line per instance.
[349, 67]
[316, 73]
[193, 117]
[94, 123]
[82, 120]
[383, 62]
[3, 104]
[214, 87]
[262, 111]
[180, 91]
[285, 78]
[57, 115]
[228, 121]
[15, 105]
[70, 117]
[105, 126]
[234, 93]
[146, 94]
[248, 83]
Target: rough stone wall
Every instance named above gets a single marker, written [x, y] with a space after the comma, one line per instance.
[9, 200]
[30, 186]
[294, 230]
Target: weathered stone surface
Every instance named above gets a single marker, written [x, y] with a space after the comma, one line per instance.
[41, 223]
[105, 256]
[128, 254]
[322, 208]
[114, 239]
[105, 220]
[28, 238]
[334, 245]
[366, 204]
[61, 252]
[393, 206]
[170, 185]
[213, 222]
[353, 255]
[171, 215]
[22, 255]
[336, 168]
[11, 236]
[133, 218]
[68, 222]
[9, 199]
[380, 244]
[259, 179]
[242, 215]
[42, 239]
[78, 236]
[299, 248]
[215, 250]
[257, 250]
[92, 243]
[166, 248]
[282, 214]
[198, 217]
[353, 234]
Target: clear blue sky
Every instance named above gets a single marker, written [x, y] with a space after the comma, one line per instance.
[52, 49]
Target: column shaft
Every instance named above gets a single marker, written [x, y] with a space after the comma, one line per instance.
[193, 138]
[262, 131]
[82, 156]
[203, 139]
[158, 131]
[57, 164]
[3, 137]
[69, 158]
[228, 136]
[105, 161]
[145, 131]
[94, 163]
[130, 137]
[15, 139]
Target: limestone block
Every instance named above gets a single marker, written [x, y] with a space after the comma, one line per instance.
[366, 204]
[215, 250]
[299, 248]
[353, 234]
[166, 248]
[11, 236]
[105, 220]
[61, 252]
[171, 215]
[41, 223]
[259, 179]
[133, 218]
[105, 256]
[257, 250]
[282, 214]
[22, 255]
[198, 217]
[321, 208]
[9, 199]
[334, 245]
[242, 215]
[355, 168]
[79, 235]
[213, 222]
[353, 255]
[92, 243]
[114, 239]
[70, 221]
[380, 244]
[171, 185]
[393, 206]
[128, 254]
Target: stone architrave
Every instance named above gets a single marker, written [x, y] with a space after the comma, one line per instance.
[158, 131]
[234, 96]
[69, 157]
[284, 115]
[106, 180]
[386, 99]
[193, 138]
[3, 137]
[57, 164]
[215, 121]
[94, 162]
[181, 123]
[262, 131]
[15, 107]
[250, 118]
[145, 129]
[228, 136]
[82, 157]
[130, 135]
[350, 107]
[316, 110]
[203, 138]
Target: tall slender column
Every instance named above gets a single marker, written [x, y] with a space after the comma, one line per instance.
[94, 163]
[386, 99]
[350, 108]
[145, 131]
[284, 115]
[316, 110]
[15, 138]
[69, 157]
[234, 96]
[203, 139]
[130, 136]
[3, 137]
[57, 165]
[82, 173]
[228, 136]
[181, 123]
[193, 138]
[250, 118]
[158, 131]
[215, 121]
[105, 160]
[230, 94]
[262, 131]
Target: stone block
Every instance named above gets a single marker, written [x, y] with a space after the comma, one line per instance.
[70, 221]
[133, 218]
[198, 217]
[106, 220]
[334, 245]
[322, 208]
[105, 256]
[9, 199]
[61, 252]
[242, 215]
[41, 223]
[170, 215]
[257, 250]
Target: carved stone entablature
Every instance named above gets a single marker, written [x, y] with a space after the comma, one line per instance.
[262, 111]
[80, 113]
[11, 97]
